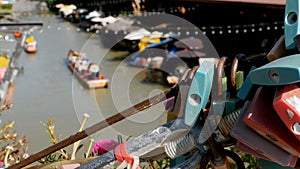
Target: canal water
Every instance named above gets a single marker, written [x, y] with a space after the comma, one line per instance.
[48, 90]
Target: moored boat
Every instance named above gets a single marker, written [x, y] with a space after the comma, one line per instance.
[86, 72]
[30, 45]
[17, 34]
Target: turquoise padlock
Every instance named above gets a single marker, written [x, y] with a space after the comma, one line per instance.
[246, 88]
[281, 71]
[199, 92]
[217, 102]
[291, 24]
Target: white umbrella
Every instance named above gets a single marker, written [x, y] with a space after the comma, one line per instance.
[94, 68]
[72, 6]
[93, 14]
[137, 35]
[66, 11]
[156, 34]
[96, 19]
[108, 20]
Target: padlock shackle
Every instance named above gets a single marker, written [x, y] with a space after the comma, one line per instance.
[234, 68]
[220, 69]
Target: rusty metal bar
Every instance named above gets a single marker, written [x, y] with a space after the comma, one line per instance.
[97, 127]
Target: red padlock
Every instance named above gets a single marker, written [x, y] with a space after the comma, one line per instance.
[262, 118]
[244, 134]
[287, 105]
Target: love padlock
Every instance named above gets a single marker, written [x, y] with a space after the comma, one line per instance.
[282, 71]
[287, 105]
[236, 80]
[262, 118]
[199, 92]
[244, 134]
[291, 23]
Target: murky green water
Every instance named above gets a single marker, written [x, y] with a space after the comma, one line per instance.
[47, 89]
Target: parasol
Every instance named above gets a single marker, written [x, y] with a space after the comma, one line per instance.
[93, 14]
[191, 43]
[156, 34]
[94, 68]
[137, 35]
[72, 7]
[108, 20]
[96, 19]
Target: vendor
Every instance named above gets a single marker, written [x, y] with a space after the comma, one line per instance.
[95, 70]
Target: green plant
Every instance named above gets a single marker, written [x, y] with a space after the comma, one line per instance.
[7, 6]
[250, 161]
[61, 154]
[13, 149]
[159, 164]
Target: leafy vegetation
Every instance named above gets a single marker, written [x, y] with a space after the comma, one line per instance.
[13, 147]
[6, 6]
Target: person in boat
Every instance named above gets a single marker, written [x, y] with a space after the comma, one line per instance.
[32, 43]
[94, 69]
[30, 39]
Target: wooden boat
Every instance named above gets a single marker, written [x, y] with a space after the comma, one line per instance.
[30, 45]
[17, 34]
[87, 73]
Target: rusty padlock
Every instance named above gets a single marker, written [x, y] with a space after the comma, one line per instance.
[244, 134]
[262, 118]
[287, 105]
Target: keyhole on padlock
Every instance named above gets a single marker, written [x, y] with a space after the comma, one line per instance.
[296, 128]
[194, 99]
[274, 76]
[292, 18]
